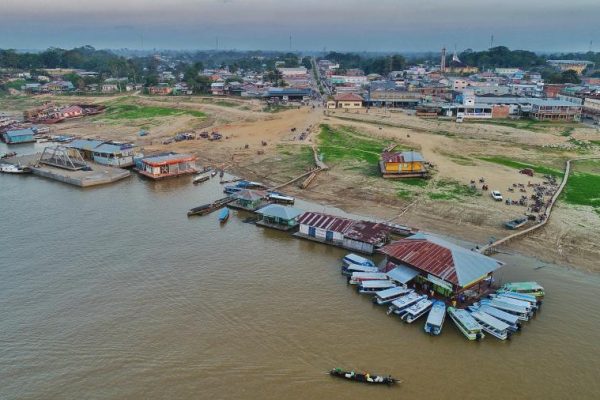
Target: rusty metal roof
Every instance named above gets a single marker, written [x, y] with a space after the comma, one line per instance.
[368, 232]
[325, 221]
[443, 259]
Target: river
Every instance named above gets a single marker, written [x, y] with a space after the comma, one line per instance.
[114, 293]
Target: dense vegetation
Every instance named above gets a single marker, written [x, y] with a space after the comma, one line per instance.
[371, 65]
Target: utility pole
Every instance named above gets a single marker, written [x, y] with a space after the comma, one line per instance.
[492, 41]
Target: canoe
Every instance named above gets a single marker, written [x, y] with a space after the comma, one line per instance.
[224, 214]
[200, 179]
[372, 379]
[516, 223]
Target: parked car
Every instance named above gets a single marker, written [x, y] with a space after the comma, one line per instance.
[496, 195]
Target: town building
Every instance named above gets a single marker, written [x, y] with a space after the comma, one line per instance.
[217, 88]
[554, 110]
[298, 72]
[442, 266]
[160, 90]
[403, 164]
[16, 136]
[166, 165]
[346, 100]
[288, 94]
[69, 112]
[109, 153]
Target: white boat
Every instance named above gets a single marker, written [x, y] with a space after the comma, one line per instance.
[436, 317]
[522, 313]
[200, 179]
[280, 198]
[358, 277]
[492, 325]
[522, 303]
[466, 323]
[350, 269]
[13, 169]
[372, 287]
[352, 258]
[404, 302]
[416, 311]
[388, 295]
[510, 319]
[521, 296]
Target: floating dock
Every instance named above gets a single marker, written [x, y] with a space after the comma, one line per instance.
[99, 175]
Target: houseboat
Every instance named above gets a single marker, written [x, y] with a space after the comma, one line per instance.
[113, 154]
[511, 320]
[436, 317]
[358, 277]
[404, 302]
[416, 311]
[371, 287]
[278, 216]
[166, 165]
[352, 258]
[388, 295]
[352, 268]
[532, 288]
[492, 325]
[466, 323]
[17, 136]
[522, 313]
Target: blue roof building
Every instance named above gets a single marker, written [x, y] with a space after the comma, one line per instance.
[109, 153]
[279, 217]
[18, 136]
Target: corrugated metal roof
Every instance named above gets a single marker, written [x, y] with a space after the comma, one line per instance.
[325, 221]
[168, 158]
[441, 258]
[402, 157]
[249, 195]
[368, 232]
[19, 132]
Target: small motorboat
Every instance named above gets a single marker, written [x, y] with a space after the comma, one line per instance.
[224, 215]
[213, 174]
[516, 223]
[14, 169]
[200, 179]
[9, 155]
[364, 378]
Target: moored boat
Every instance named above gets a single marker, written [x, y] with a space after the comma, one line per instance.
[520, 296]
[371, 287]
[358, 277]
[280, 198]
[352, 258]
[466, 323]
[352, 268]
[532, 308]
[516, 223]
[200, 179]
[436, 317]
[224, 215]
[416, 311]
[364, 378]
[398, 305]
[532, 288]
[512, 320]
[388, 295]
[492, 325]
[14, 169]
[522, 313]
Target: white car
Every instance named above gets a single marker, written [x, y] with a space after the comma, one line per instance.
[496, 195]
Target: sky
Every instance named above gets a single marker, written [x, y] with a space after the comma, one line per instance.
[341, 25]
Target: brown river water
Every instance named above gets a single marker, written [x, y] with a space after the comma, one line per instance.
[113, 293]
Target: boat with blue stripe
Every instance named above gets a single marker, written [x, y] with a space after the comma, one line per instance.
[436, 317]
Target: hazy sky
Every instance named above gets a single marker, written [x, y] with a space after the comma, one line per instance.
[374, 25]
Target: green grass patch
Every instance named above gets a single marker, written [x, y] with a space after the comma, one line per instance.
[346, 143]
[538, 169]
[420, 182]
[447, 189]
[595, 142]
[404, 194]
[134, 111]
[274, 108]
[583, 189]
[567, 131]
[224, 103]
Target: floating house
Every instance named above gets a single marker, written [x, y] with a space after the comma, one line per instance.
[361, 236]
[444, 267]
[405, 164]
[249, 200]
[166, 165]
[109, 153]
[280, 217]
[18, 136]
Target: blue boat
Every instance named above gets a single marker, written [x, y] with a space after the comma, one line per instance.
[435, 319]
[350, 259]
[224, 215]
[231, 189]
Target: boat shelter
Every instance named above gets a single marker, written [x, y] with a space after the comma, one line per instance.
[110, 153]
[16, 136]
[166, 165]
[248, 199]
[279, 217]
[439, 265]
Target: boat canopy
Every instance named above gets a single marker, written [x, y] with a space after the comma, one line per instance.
[373, 284]
[466, 320]
[392, 292]
[356, 259]
[522, 286]
[499, 314]
[490, 321]
[402, 274]
[436, 315]
[360, 268]
[368, 275]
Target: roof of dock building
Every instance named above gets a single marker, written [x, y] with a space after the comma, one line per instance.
[441, 258]
[167, 158]
[279, 211]
[19, 132]
[325, 221]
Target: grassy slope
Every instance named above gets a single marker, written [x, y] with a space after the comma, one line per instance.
[345, 143]
[133, 111]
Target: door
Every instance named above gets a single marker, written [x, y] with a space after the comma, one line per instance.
[329, 236]
[312, 231]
